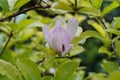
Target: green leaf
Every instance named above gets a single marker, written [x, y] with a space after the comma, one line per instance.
[66, 70]
[114, 75]
[87, 34]
[76, 50]
[116, 23]
[91, 11]
[97, 3]
[28, 69]
[109, 8]
[98, 27]
[7, 56]
[4, 5]
[94, 76]
[117, 45]
[61, 7]
[110, 66]
[77, 75]
[20, 3]
[104, 50]
[114, 31]
[9, 71]
[47, 78]
[3, 77]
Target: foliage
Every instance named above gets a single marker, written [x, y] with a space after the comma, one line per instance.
[25, 55]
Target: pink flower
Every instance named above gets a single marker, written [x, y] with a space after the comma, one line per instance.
[60, 38]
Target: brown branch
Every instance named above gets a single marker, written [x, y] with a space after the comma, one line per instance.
[9, 38]
[23, 11]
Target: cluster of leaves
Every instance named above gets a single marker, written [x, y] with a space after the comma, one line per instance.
[26, 56]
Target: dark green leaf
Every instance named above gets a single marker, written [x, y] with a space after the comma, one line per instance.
[4, 5]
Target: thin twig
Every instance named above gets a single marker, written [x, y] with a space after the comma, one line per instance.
[23, 11]
[112, 44]
[9, 38]
[40, 61]
[75, 4]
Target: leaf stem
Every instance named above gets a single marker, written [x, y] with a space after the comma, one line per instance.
[9, 38]
[112, 44]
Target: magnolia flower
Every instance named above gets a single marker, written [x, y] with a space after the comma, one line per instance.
[60, 38]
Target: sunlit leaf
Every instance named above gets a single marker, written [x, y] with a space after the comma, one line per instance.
[109, 8]
[116, 23]
[114, 31]
[97, 3]
[76, 50]
[114, 75]
[98, 27]
[65, 70]
[104, 50]
[61, 7]
[98, 76]
[28, 69]
[110, 66]
[77, 75]
[9, 70]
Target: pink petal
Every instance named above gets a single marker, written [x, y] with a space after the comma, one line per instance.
[72, 26]
[58, 24]
[47, 34]
[56, 43]
[62, 34]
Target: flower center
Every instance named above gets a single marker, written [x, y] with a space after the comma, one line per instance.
[63, 48]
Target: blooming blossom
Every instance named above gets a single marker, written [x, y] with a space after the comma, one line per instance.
[60, 38]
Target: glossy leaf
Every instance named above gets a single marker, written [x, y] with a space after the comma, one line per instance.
[9, 70]
[104, 50]
[76, 50]
[98, 27]
[65, 70]
[77, 75]
[114, 31]
[116, 23]
[109, 8]
[97, 3]
[110, 66]
[61, 7]
[28, 69]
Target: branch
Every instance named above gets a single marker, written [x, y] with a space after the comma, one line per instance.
[9, 38]
[40, 61]
[112, 44]
[23, 11]
[75, 4]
